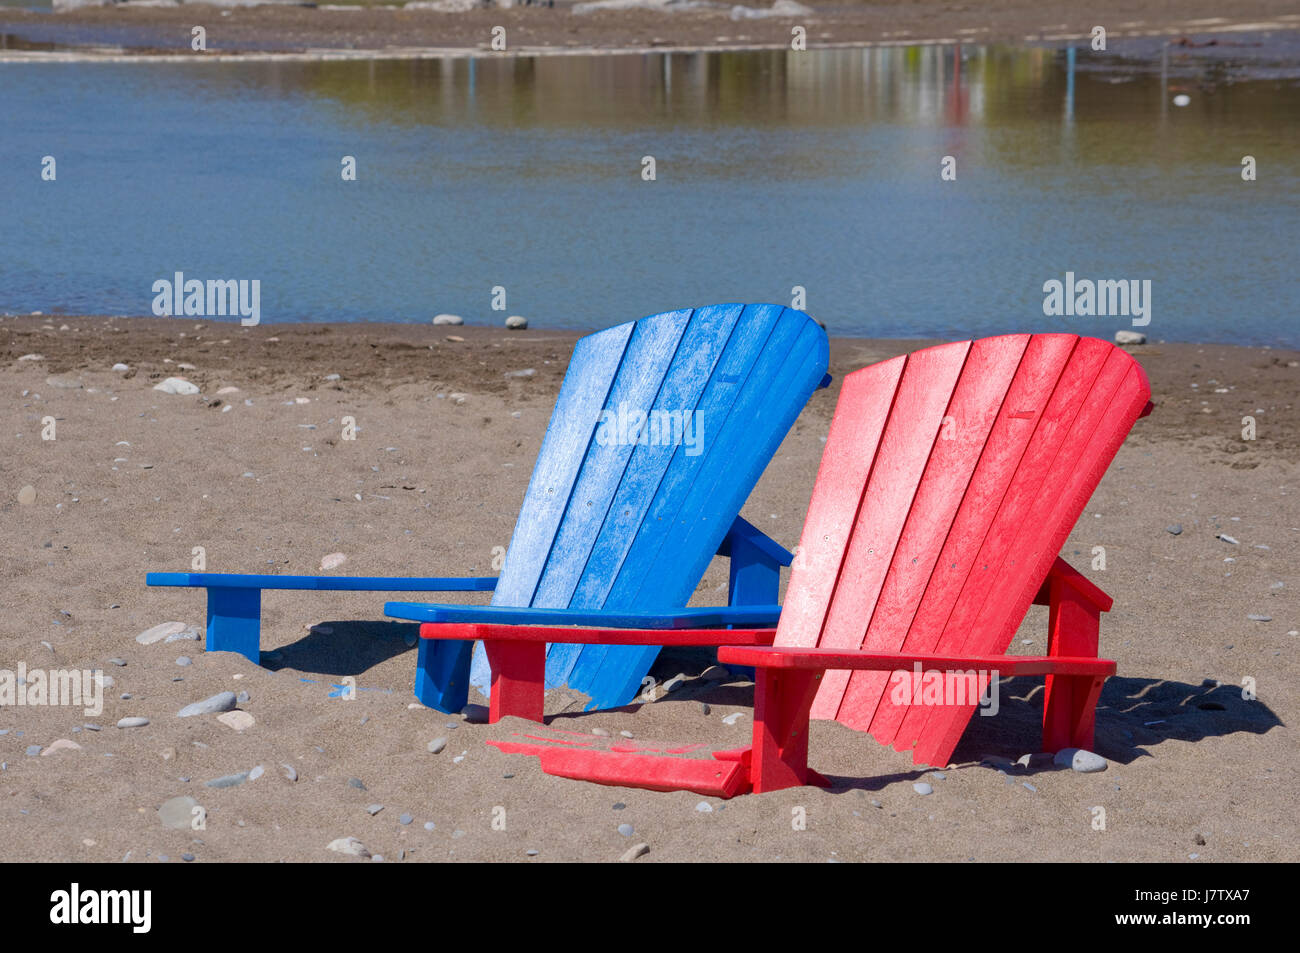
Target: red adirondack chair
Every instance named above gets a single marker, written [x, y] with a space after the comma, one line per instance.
[951, 478]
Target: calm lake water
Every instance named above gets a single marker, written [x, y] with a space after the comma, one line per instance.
[773, 170]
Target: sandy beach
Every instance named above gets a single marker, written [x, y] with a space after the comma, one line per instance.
[389, 29]
[260, 477]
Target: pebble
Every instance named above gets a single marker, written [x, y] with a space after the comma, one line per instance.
[256, 773]
[447, 319]
[437, 744]
[1031, 787]
[63, 744]
[90, 726]
[356, 783]
[405, 819]
[1130, 337]
[733, 718]
[704, 708]
[1175, 530]
[176, 385]
[627, 734]
[133, 722]
[429, 825]
[242, 698]
[1078, 759]
[227, 780]
[532, 853]
[374, 809]
[222, 701]
[160, 632]
[525, 372]
[1259, 618]
[289, 771]
[704, 807]
[626, 830]
[600, 732]
[618, 806]
[117, 661]
[32, 357]
[187, 857]
[119, 367]
[633, 852]
[33, 750]
[517, 322]
[348, 845]
[228, 389]
[920, 787]
[239, 720]
[184, 660]
[177, 812]
[454, 339]
[27, 495]
[332, 561]
[1228, 539]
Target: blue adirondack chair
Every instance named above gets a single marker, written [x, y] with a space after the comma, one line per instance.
[629, 500]
[628, 530]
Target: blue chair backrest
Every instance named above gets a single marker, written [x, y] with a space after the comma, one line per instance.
[661, 430]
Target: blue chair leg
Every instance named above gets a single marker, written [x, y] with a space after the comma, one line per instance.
[235, 622]
[442, 674]
[754, 581]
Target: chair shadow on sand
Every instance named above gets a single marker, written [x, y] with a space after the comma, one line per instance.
[1133, 715]
[344, 648]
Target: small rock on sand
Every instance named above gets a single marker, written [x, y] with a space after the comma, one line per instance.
[1078, 759]
[374, 809]
[348, 845]
[448, 319]
[290, 772]
[517, 322]
[176, 385]
[63, 744]
[332, 561]
[1130, 337]
[160, 632]
[239, 720]
[436, 745]
[633, 852]
[177, 812]
[222, 701]
[227, 780]
[1175, 530]
[626, 830]
[733, 718]
[27, 495]
[133, 722]
[119, 367]
[920, 787]
[256, 773]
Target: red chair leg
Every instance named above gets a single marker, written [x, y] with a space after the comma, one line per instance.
[518, 675]
[1070, 702]
[782, 701]
[1070, 711]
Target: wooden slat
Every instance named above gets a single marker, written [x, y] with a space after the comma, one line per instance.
[970, 415]
[580, 635]
[1045, 358]
[910, 433]
[888, 662]
[775, 359]
[856, 428]
[1103, 420]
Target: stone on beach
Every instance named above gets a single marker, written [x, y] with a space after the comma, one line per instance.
[348, 845]
[160, 632]
[1130, 337]
[239, 720]
[920, 787]
[134, 721]
[222, 701]
[227, 780]
[176, 385]
[447, 319]
[178, 812]
[27, 495]
[779, 9]
[63, 744]
[332, 561]
[517, 322]
[437, 744]
[1081, 760]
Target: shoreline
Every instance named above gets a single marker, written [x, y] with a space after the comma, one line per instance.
[275, 33]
